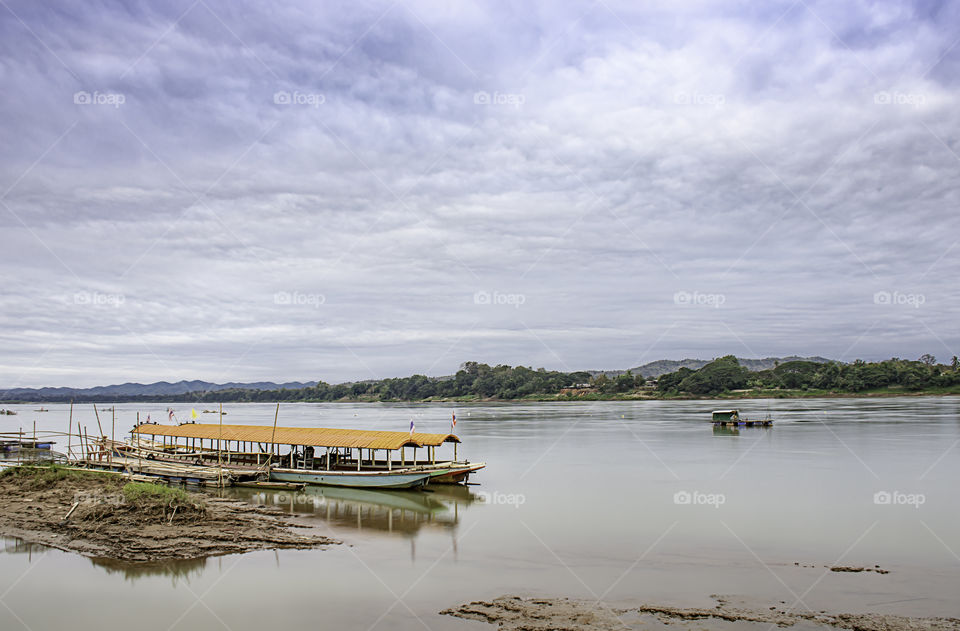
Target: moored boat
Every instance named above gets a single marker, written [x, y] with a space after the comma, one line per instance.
[401, 479]
[321, 456]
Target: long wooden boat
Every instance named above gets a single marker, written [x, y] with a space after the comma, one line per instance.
[401, 479]
[322, 456]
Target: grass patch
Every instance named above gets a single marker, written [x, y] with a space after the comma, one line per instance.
[49, 475]
[146, 493]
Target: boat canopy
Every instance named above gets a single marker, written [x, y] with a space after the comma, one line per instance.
[301, 436]
[726, 415]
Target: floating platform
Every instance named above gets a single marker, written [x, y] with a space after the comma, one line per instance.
[744, 423]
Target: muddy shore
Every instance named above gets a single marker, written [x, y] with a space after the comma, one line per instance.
[107, 521]
[512, 613]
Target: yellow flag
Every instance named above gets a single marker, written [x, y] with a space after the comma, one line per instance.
[193, 414]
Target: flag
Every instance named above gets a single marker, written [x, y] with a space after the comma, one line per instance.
[170, 415]
[193, 413]
[453, 423]
[411, 427]
[148, 418]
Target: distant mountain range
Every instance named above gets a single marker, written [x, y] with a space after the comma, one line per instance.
[160, 388]
[664, 366]
[164, 388]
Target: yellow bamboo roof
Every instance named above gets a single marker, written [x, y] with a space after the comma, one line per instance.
[303, 436]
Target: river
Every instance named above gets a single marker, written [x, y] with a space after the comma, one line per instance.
[620, 501]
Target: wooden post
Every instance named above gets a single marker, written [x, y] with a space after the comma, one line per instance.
[113, 430]
[70, 433]
[273, 436]
[455, 452]
[139, 455]
[98, 419]
[219, 462]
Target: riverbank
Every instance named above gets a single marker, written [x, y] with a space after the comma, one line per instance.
[512, 613]
[102, 515]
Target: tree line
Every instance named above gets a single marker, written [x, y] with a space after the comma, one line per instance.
[726, 375]
[481, 382]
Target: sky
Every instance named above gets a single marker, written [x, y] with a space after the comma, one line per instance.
[239, 191]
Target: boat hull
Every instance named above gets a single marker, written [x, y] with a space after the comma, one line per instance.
[358, 480]
[454, 475]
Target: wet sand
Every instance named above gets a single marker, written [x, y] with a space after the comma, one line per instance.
[512, 613]
[104, 525]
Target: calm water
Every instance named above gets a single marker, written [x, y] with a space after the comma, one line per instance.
[631, 501]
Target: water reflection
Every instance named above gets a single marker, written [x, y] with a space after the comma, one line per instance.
[177, 570]
[403, 513]
[12, 545]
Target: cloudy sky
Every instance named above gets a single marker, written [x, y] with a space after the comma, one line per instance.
[337, 190]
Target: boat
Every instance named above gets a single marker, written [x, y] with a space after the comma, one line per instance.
[401, 479]
[292, 454]
[42, 410]
[732, 418]
[8, 412]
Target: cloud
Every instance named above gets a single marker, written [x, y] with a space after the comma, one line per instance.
[386, 163]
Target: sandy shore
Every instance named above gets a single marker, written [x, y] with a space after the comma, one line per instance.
[512, 613]
[106, 523]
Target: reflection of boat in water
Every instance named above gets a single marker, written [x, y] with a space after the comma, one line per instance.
[723, 430]
[398, 512]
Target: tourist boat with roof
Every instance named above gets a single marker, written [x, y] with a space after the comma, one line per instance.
[311, 455]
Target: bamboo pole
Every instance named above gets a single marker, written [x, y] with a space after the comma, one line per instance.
[113, 430]
[219, 441]
[70, 433]
[98, 418]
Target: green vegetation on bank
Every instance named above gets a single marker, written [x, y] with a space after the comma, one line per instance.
[142, 493]
[723, 377]
[48, 475]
